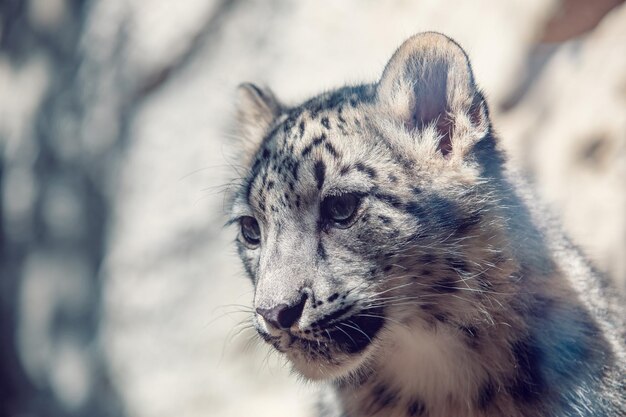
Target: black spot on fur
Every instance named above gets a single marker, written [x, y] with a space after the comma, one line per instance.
[294, 170]
[290, 121]
[325, 122]
[301, 127]
[320, 173]
[415, 408]
[332, 316]
[255, 166]
[321, 251]
[383, 396]
[331, 149]
[499, 259]
[390, 199]
[317, 141]
[445, 285]
[471, 335]
[528, 385]
[333, 297]
[542, 307]
[265, 336]
[416, 210]
[344, 170]
[466, 224]
[457, 264]
[441, 317]
[427, 259]
[484, 284]
[369, 171]
[486, 395]
[444, 212]
[315, 110]
[384, 219]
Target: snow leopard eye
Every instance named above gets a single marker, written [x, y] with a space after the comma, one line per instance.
[250, 230]
[340, 209]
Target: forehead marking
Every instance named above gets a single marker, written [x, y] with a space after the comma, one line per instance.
[320, 173]
[331, 150]
[316, 142]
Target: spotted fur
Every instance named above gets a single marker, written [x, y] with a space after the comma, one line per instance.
[449, 293]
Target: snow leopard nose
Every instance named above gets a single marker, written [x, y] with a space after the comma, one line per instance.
[283, 316]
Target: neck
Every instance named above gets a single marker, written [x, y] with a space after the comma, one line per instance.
[535, 354]
[429, 369]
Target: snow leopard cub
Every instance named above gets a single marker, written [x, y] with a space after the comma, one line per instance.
[396, 258]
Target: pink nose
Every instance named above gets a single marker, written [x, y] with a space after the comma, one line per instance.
[283, 316]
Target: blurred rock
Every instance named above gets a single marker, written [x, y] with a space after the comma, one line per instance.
[53, 216]
[569, 133]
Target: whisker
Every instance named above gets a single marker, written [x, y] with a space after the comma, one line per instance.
[344, 332]
[356, 327]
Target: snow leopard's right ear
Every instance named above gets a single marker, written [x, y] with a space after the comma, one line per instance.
[428, 82]
[256, 110]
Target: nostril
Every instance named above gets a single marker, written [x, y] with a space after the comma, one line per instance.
[288, 316]
[283, 316]
[272, 314]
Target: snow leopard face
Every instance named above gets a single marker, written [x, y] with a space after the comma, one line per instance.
[361, 208]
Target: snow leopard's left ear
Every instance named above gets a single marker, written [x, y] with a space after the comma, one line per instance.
[429, 83]
[256, 110]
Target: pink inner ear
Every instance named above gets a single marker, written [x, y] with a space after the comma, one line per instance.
[434, 112]
[431, 106]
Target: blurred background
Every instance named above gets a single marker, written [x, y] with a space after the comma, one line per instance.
[120, 293]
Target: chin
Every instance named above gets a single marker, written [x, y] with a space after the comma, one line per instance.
[339, 366]
[333, 353]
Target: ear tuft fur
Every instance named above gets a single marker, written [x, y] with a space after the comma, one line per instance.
[256, 110]
[429, 81]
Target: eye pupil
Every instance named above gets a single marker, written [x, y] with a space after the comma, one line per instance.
[250, 230]
[341, 208]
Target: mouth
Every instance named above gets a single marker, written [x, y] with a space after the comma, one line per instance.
[357, 332]
[329, 347]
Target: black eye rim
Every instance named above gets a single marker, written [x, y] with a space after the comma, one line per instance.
[245, 222]
[349, 220]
